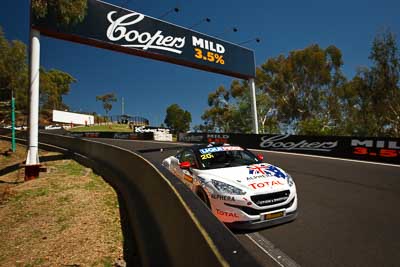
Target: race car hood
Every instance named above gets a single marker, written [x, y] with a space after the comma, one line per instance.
[259, 178]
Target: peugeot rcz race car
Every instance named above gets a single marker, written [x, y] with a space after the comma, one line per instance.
[241, 190]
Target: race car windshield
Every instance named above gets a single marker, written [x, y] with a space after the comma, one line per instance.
[226, 157]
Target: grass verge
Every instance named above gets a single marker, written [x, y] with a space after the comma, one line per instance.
[67, 217]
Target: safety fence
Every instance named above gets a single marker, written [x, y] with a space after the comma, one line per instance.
[360, 148]
[163, 223]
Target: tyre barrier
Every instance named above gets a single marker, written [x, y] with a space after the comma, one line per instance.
[163, 223]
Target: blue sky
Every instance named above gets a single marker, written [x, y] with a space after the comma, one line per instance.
[150, 86]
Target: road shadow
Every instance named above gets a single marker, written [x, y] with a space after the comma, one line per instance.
[19, 165]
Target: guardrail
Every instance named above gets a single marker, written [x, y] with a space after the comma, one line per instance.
[164, 224]
[361, 148]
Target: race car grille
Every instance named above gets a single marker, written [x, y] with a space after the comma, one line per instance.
[271, 199]
[252, 212]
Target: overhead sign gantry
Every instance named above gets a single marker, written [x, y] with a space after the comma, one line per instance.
[115, 28]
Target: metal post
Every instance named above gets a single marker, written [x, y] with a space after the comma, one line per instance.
[13, 146]
[123, 107]
[253, 105]
[32, 160]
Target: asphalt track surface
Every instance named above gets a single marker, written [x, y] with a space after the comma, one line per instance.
[349, 211]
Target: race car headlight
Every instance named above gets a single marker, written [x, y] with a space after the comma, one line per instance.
[201, 180]
[227, 188]
[290, 180]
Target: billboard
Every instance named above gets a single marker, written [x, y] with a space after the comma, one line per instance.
[116, 28]
[381, 149]
[70, 117]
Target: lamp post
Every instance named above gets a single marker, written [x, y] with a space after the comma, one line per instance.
[234, 29]
[175, 9]
[13, 146]
[200, 22]
[257, 40]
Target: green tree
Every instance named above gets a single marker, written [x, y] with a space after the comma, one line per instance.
[372, 97]
[242, 116]
[64, 11]
[54, 84]
[14, 76]
[300, 86]
[230, 110]
[218, 116]
[14, 70]
[107, 100]
[177, 119]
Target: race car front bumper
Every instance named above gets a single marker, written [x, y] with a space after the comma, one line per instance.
[237, 214]
[257, 224]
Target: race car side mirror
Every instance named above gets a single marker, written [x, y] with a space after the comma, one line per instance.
[185, 165]
[260, 157]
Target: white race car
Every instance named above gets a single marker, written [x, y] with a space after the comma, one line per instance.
[241, 190]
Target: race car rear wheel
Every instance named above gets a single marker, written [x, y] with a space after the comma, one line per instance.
[203, 196]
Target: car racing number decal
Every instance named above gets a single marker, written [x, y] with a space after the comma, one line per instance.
[207, 156]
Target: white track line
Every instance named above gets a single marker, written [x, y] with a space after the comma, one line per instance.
[269, 248]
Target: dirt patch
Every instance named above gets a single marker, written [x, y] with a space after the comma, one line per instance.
[67, 217]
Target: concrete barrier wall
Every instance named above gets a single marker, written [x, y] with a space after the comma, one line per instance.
[164, 224]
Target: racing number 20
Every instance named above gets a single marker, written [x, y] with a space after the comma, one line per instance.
[207, 156]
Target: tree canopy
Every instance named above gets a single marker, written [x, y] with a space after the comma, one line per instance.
[64, 11]
[306, 92]
[54, 84]
[107, 100]
[14, 69]
[177, 119]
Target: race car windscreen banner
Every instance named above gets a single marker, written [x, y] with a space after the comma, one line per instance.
[362, 148]
[116, 28]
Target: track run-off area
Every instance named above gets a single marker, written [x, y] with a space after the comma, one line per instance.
[348, 210]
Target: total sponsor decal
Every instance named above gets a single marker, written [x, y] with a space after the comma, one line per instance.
[265, 169]
[227, 214]
[224, 198]
[264, 184]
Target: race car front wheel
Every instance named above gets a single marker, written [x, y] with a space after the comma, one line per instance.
[203, 196]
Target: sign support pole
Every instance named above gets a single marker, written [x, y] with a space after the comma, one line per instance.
[32, 166]
[13, 145]
[253, 105]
